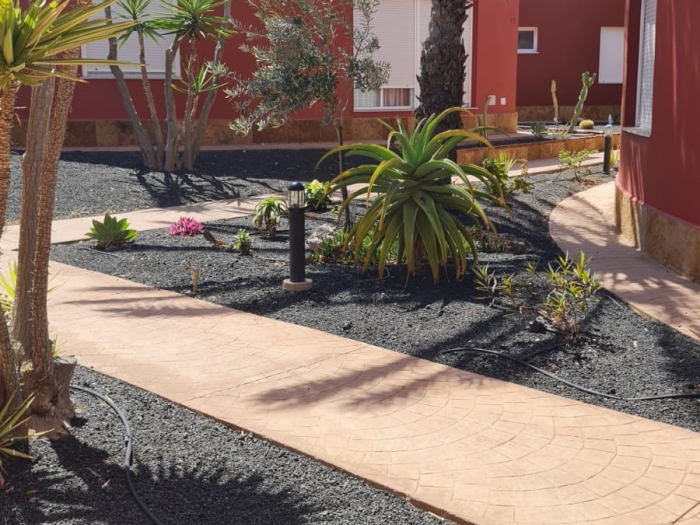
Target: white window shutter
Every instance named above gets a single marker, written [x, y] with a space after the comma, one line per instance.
[129, 51]
[468, 37]
[394, 24]
[647, 52]
[612, 55]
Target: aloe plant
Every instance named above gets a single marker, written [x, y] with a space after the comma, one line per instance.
[411, 206]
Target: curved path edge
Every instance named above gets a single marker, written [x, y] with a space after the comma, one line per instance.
[586, 222]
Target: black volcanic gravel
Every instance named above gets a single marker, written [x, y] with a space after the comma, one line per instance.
[619, 352]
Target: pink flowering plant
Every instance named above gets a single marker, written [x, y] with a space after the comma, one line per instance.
[186, 227]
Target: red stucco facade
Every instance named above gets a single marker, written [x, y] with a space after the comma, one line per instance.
[494, 56]
[662, 171]
[568, 34]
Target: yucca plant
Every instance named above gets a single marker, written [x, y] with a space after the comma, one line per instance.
[111, 233]
[33, 38]
[10, 423]
[268, 214]
[411, 205]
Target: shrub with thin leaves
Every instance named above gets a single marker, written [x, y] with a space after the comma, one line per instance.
[407, 203]
[10, 422]
[574, 287]
[111, 233]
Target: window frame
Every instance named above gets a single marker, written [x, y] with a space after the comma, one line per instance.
[535, 41]
[381, 106]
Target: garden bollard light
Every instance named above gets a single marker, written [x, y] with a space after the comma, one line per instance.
[608, 147]
[297, 281]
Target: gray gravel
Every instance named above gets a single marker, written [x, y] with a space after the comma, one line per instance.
[187, 468]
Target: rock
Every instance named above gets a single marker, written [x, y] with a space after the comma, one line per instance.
[347, 326]
[538, 326]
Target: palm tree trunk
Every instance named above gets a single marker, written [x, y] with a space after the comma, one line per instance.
[148, 153]
[187, 132]
[7, 113]
[52, 405]
[9, 367]
[32, 166]
[211, 96]
[171, 145]
[155, 121]
[442, 61]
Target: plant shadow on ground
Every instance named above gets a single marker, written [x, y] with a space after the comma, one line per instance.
[82, 483]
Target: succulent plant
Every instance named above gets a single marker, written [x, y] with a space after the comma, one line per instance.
[186, 227]
[111, 233]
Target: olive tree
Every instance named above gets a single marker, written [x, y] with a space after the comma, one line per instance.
[307, 52]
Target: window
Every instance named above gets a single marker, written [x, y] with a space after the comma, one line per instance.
[393, 98]
[402, 26]
[129, 52]
[647, 52]
[612, 55]
[527, 40]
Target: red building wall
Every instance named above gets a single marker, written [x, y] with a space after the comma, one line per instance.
[494, 56]
[495, 53]
[663, 171]
[568, 45]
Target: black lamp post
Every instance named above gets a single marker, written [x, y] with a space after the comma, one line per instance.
[297, 281]
[608, 147]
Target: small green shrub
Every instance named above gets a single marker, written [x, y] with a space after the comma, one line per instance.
[111, 233]
[574, 287]
[587, 124]
[243, 242]
[499, 166]
[569, 160]
[538, 129]
[316, 197]
[268, 214]
[493, 288]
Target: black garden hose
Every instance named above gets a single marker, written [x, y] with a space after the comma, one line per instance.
[128, 442]
[566, 381]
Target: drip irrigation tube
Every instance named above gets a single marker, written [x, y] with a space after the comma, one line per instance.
[566, 381]
[128, 442]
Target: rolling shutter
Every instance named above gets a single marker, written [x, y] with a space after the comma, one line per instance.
[129, 51]
[647, 52]
[612, 55]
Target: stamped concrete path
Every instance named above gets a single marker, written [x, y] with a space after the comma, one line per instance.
[479, 450]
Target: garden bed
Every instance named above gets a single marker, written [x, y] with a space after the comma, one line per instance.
[617, 348]
[202, 475]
